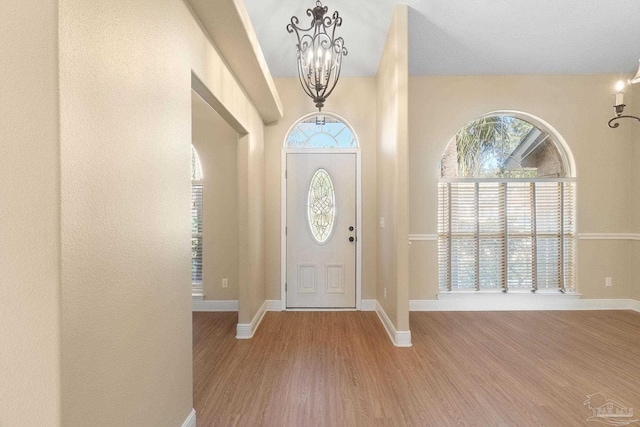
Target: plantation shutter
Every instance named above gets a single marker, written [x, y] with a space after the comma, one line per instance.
[506, 235]
[464, 244]
[444, 238]
[520, 235]
[196, 232]
[549, 234]
[569, 233]
[491, 227]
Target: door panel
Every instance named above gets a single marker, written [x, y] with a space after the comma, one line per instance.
[321, 208]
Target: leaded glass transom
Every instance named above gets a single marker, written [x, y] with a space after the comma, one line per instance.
[321, 131]
[321, 203]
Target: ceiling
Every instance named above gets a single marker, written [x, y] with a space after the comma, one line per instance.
[468, 37]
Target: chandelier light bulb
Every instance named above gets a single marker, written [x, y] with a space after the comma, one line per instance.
[620, 86]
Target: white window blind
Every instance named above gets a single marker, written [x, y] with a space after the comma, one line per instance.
[506, 234]
[196, 232]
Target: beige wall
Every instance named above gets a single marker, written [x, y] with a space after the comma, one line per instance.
[29, 215]
[354, 100]
[217, 146]
[125, 95]
[393, 251]
[578, 107]
[633, 100]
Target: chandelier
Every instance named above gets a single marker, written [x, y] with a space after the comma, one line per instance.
[319, 53]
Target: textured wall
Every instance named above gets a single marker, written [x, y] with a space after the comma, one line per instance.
[392, 105]
[578, 107]
[125, 85]
[217, 146]
[354, 100]
[29, 215]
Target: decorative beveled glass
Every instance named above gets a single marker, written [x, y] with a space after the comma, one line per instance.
[321, 206]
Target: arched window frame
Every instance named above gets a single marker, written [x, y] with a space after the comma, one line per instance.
[458, 271]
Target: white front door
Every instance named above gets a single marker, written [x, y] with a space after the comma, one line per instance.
[321, 235]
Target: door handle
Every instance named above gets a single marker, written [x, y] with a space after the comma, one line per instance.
[351, 228]
[351, 239]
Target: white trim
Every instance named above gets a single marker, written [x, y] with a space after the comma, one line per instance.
[211, 305]
[283, 210]
[197, 294]
[608, 236]
[423, 237]
[398, 338]
[368, 305]
[523, 303]
[273, 305]
[245, 331]
[191, 419]
[453, 180]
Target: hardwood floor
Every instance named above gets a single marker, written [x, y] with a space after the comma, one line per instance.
[465, 368]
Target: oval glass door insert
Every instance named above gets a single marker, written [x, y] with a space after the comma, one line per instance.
[321, 206]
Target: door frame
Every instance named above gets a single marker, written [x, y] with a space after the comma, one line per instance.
[283, 216]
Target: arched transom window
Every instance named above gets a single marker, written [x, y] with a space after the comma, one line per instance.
[321, 131]
[506, 208]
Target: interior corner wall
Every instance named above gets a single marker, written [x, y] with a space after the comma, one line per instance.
[633, 100]
[29, 215]
[354, 99]
[578, 107]
[392, 129]
[217, 146]
[125, 115]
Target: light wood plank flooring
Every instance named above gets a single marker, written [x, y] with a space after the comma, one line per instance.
[467, 369]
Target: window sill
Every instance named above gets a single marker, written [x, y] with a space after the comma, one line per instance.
[515, 295]
[196, 292]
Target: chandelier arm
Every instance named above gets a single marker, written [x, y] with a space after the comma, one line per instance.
[337, 77]
[302, 82]
[613, 125]
[293, 26]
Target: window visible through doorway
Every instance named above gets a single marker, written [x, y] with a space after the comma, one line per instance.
[196, 222]
[506, 209]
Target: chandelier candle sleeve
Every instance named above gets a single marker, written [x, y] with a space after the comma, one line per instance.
[319, 53]
[619, 105]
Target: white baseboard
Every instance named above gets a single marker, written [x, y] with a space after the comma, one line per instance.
[245, 331]
[211, 305]
[191, 419]
[523, 303]
[368, 305]
[274, 305]
[398, 338]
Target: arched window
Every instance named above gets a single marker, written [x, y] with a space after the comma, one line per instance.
[196, 221]
[506, 208]
[321, 131]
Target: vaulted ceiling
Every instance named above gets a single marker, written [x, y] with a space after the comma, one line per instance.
[469, 37]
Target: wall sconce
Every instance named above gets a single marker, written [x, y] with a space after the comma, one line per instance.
[619, 105]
